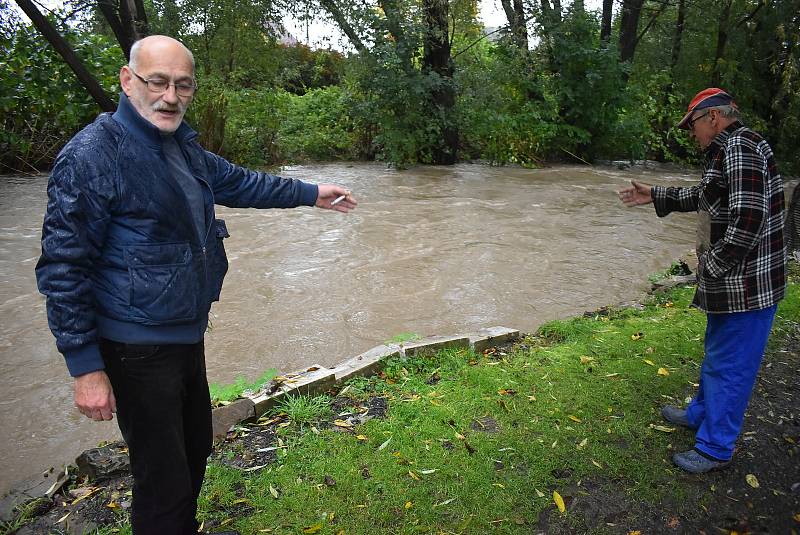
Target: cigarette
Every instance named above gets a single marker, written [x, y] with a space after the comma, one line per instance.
[337, 200]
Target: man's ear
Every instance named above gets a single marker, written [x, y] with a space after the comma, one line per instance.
[126, 80]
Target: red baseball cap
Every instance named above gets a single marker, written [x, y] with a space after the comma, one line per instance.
[707, 98]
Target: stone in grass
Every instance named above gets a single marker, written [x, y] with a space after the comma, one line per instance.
[483, 339]
[308, 382]
[433, 344]
[225, 417]
[104, 463]
[367, 363]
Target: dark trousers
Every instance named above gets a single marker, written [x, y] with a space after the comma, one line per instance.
[164, 413]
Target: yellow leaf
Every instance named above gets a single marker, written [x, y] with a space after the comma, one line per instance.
[574, 418]
[498, 485]
[637, 336]
[112, 504]
[409, 505]
[598, 465]
[313, 529]
[663, 371]
[586, 360]
[435, 402]
[583, 443]
[669, 304]
[662, 428]
[342, 423]
[531, 398]
[650, 362]
[361, 437]
[559, 501]
[459, 436]
[797, 517]
[413, 475]
[273, 491]
[752, 480]
[649, 350]
[637, 532]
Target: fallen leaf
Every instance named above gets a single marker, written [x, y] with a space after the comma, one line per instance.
[342, 423]
[413, 475]
[637, 336]
[313, 529]
[752, 480]
[637, 532]
[611, 374]
[409, 505]
[649, 350]
[598, 465]
[531, 398]
[362, 438]
[444, 502]
[586, 360]
[539, 493]
[273, 491]
[498, 485]
[662, 428]
[506, 392]
[559, 501]
[583, 443]
[459, 436]
[663, 371]
[796, 517]
[574, 418]
[385, 443]
[112, 505]
[647, 361]
[426, 472]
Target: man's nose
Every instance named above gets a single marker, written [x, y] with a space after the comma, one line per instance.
[170, 95]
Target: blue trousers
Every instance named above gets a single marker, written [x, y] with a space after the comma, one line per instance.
[734, 347]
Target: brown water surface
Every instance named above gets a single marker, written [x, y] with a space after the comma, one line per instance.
[430, 250]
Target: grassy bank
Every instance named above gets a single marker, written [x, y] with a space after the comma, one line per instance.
[476, 443]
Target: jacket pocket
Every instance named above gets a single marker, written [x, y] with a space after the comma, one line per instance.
[217, 260]
[164, 283]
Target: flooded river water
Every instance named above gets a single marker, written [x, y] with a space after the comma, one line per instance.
[430, 250]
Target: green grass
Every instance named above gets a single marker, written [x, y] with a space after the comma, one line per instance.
[581, 397]
[222, 393]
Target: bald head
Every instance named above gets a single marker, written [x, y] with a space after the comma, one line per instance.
[157, 45]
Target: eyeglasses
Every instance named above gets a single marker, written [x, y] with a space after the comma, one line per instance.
[690, 122]
[157, 85]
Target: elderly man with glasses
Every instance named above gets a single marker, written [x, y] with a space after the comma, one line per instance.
[133, 257]
[741, 269]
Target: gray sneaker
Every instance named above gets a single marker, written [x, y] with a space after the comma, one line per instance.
[695, 463]
[675, 416]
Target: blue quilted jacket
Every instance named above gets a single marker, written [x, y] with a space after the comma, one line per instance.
[121, 256]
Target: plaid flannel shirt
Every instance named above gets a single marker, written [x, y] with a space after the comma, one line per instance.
[741, 192]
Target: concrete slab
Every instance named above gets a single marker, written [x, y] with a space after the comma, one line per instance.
[483, 339]
[433, 344]
[367, 363]
[309, 382]
[223, 418]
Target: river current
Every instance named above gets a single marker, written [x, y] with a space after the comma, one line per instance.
[430, 250]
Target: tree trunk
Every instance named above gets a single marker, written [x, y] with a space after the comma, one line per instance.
[722, 41]
[62, 47]
[628, 27]
[437, 59]
[605, 27]
[515, 13]
[127, 19]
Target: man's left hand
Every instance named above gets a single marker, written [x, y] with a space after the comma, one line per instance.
[328, 193]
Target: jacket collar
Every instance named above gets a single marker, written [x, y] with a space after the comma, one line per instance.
[143, 129]
[721, 138]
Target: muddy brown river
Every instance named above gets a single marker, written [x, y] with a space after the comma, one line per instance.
[430, 250]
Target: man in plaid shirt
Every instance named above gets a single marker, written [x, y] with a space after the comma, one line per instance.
[741, 269]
